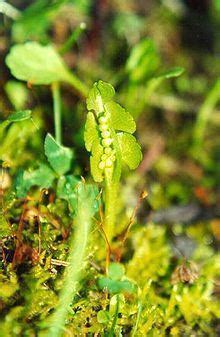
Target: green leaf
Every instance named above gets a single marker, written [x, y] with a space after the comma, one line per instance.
[103, 317]
[106, 91]
[59, 157]
[19, 116]
[217, 5]
[97, 151]
[34, 21]
[21, 186]
[120, 118]
[17, 93]
[43, 177]
[100, 94]
[115, 287]
[91, 131]
[116, 271]
[130, 150]
[174, 72]
[66, 190]
[143, 61]
[70, 188]
[36, 64]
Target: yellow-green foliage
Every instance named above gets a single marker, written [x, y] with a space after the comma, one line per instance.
[151, 255]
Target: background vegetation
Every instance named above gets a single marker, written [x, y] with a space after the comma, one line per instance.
[162, 57]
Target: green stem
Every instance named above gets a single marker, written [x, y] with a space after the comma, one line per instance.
[135, 329]
[57, 111]
[76, 261]
[112, 331]
[73, 38]
[111, 191]
[77, 84]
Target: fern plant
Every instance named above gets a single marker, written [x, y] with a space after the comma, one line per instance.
[109, 138]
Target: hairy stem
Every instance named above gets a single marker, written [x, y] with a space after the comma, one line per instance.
[57, 111]
[76, 261]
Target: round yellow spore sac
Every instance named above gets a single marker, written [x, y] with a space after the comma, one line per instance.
[105, 134]
[103, 127]
[108, 163]
[103, 120]
[107, 150]
[101, 165]
[106, 142]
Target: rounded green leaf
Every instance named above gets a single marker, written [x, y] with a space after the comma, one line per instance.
[120, 118]
[106, 91]
[115, 286]
[100, 94]
[43, 177]
[130, 150]
[36, 64]
[116, 271]
[59, 157]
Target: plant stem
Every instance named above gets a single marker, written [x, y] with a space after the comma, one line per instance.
[57, 111]
[111, 191]
[77, 84]
[73, 38]
[112, 331]
[135, 329]
[76, 261]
